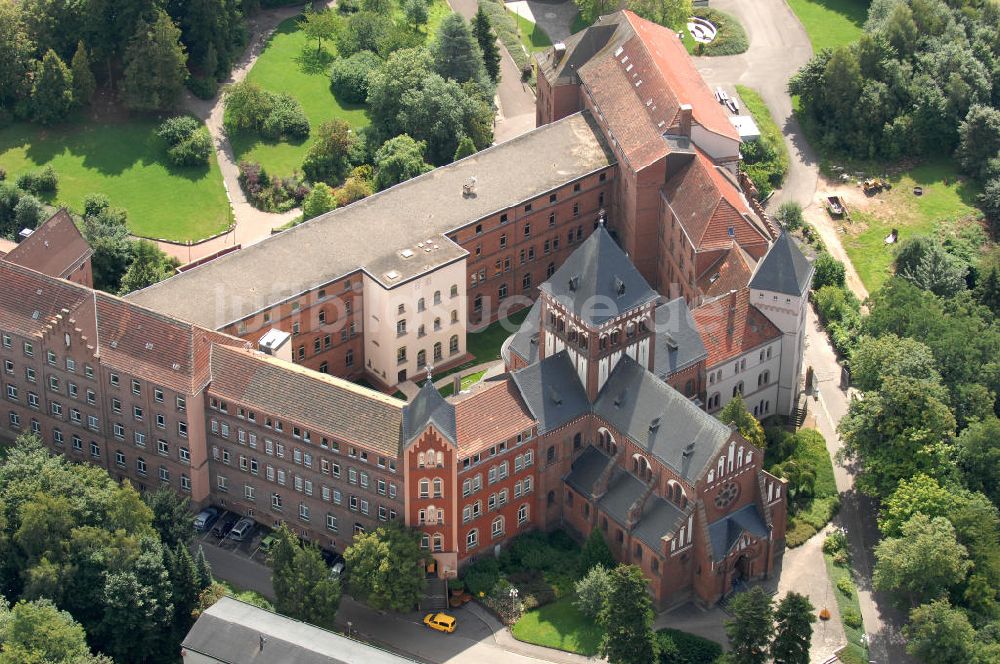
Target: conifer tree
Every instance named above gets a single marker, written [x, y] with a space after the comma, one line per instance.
[203, 569]
[465, 148]
[456, 54]
[185, 586]
[627, 619]
[155, 66]
[84, 84]
[793, 634]
[52, 93]
[487, 40]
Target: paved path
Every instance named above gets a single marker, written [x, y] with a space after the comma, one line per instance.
[479, 638]
[857, 514]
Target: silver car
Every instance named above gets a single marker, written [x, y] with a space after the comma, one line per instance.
[242, 530]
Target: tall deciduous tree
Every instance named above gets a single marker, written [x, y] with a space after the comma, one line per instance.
[52, 92]
[592, 590]
[387, 567]
[875, 358]
[318, 201]
[106, 232]
[18, 50]
[668, 13]
[416, 12]
[979, 457]
[482, 29]
[171, 517]
[941, 634]
[398, 160]
[751, 628]
[155, 65]
[149, 265]
[39, 632]
[328, 159]
[319, 26]
[84, 84]
[627, 619]
[923, 563]
[735, 412]
[793, 633]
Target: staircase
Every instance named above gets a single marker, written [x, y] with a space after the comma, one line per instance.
[435, 595]
[798, 416]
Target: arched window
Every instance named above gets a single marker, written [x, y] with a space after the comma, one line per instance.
[551, 498]
[738, 388]
[577, 441]
[454, 290]
[420, 304]
[425, 488]
[437, 351]
[437, 324]
[550, 454]
[711, 378]
[453, 344]
[421, 516]
[437, 297]
[637, 551]
[421, 358]
[438, 487]
[739, 457]
[497, 527]
[472, 539]
[454, 315]
[420, 460]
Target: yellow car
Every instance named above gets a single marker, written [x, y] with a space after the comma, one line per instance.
[442, 622]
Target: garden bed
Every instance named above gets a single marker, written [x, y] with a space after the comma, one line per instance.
[768, 164]
[856, 651]
[730, 37]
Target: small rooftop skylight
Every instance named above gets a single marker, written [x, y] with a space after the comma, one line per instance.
[406, 253]
[392, 275]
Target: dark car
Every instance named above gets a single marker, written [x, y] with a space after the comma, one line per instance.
[225, 524]
[331, 558]
[205, 518]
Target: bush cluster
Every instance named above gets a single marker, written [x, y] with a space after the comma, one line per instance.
[677, 647]
[349, 76]
[271, 194]
[730, 38]
[506, 28]
[42, 181]
[188, 141]
[250, 108]
[845, 586]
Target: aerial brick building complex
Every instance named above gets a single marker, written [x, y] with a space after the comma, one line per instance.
[657, 292]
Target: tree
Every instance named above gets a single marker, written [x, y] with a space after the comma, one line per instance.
[354, 189]
[415, 12]
[107, 234]
[828, 271]
[988, 290]
[28, 212]
[18, 54]
[39, 632]
[978, 139]
[155, 66]
[465, 148]
[793, 633]
[171, 517]
[923, 563]
[319, 26]
[52, 92]
[590, 10]
[735, 412]
[939, 633]
[402, 70]
[203, 569]
[979, 457]
[919, 494]
[387, 567]
[876, 358]
[149, 265]
[591, 591]
[596, 552]
[482, 29]
[185, 587]
[349, 76]
[456, 54]
[318, 201]
[989, 201]
[288, 590]
[398, 160]
[441, 111]
[627, 619]
[790, 215]
[84, 83]
[668, 13]
[328, 159]
[751, 628]
[936, 271]
[902, 429]
[321, 591]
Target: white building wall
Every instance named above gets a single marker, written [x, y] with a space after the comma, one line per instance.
[382, 314]
[748, 368]
[718, 147]
[788, 313]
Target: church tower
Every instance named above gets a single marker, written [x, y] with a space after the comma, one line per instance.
[597, 307]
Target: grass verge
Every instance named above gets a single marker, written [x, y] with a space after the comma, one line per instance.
[559, 625]
[770, 165]
[947, 199]
[831, 23]
[855, 652]
[532, 37]
[467, 382]
[127, 162]
[507, 30]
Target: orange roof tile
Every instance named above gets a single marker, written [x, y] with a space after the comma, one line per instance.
[730, 272]
[731, 326]
[489, 415]
[56, 247]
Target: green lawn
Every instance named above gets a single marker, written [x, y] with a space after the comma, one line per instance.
[947, 198]
[485, 345]
[127, 162]
[467, 382]
[831, 23]
[290, 63]
[531, 35]
[559, 625]
[856, 651]
[810, 517]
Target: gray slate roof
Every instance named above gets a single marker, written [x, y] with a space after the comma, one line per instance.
[728, 529]
[428, 408]
[623, 490]
[586, 469]
[552, 391]
[598, 281]
[524, 342]
[582, 46]
[784, 269]
[660, 419]
[230, 631]
[659, 517]
[678, 344]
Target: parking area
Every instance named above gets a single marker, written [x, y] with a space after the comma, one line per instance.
[250, 548]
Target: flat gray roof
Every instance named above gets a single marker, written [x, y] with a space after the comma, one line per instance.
[370, 233]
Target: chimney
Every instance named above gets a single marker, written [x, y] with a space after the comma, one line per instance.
[685, 111]
[558, 51]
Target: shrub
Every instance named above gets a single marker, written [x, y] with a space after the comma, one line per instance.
[481, 576]
[677, 647]
[354, 189]
[202, 87]
[195, 150]
[42, 181]
[3, 175]
[271, 194]
[286, 119]
[533, 587]
[790, 215]
[349, 76]
[176, 129]
[28, 212]
[842, 558]
[829, 272]
[852, 619]
[591, 591]
[845, 586]
[319, 201]
[835, 541]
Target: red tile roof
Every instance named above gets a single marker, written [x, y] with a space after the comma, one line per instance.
[489, 415]
[731, 326]
[56, 247]
[29, 299]
[676, 67]
[708, 204]
[730, 272]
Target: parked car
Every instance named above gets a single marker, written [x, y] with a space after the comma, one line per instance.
[337, 569]
[268, 542]
[242, 530]
[442, 622]
[205, 518]
[225, 524]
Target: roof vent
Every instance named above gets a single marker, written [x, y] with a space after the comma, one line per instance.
[175, 366]
[618, 51]
[558, 51]
[620, 399]
[574, 283]
[392, 275]
[688, 450]
[149, 345]
[619, 286]
[114, 344]
[555, 397]
[469, 188]
[35, 314]
[654, 424]
[714, 278]
[407, 253]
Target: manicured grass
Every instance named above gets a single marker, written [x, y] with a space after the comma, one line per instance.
[856, 651]
[485, 345]
[531, 35]
[810, 517]
[947, 198]
[127, 162]
[831, 23]
[559, 625]
[467, 382]
[290, 63]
